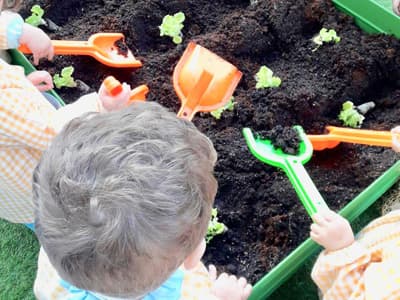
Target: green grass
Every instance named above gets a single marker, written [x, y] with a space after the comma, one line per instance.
[19, 249]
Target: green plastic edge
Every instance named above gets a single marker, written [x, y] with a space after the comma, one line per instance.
[371, 16]
[19, 59]
[287, 267]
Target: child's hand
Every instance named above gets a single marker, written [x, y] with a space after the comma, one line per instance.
[331, 231]
[111, 103]
[42, 80]
[37, 41]
[396, 6]
[227, 287]
[395, 139]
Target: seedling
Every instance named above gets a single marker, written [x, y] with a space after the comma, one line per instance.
[65, 79]
[35, 19]
[229, 106]
[265, 79]
[350, 116]
[214, 227]
[325, 36]
[172, 26]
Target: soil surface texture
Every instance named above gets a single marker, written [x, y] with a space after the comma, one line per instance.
[266, 220]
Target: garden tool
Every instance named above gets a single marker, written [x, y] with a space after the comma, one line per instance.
[348, 135]
[203, 81]
[108, 48]
[305, 188]
[114, 87]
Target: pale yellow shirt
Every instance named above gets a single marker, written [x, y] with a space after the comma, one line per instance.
[28, 122]
[369, 269]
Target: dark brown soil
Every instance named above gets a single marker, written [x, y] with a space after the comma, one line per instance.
[265, 218]
[285, 138]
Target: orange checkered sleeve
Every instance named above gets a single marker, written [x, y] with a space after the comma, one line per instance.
[368, 269]
[28, 122]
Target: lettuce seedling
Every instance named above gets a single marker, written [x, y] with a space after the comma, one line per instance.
[350, 116]
[265, 79]
[35, 19]
[325, 36]
[65, 79]
[172, 26]
[214, 227]
[228, 106]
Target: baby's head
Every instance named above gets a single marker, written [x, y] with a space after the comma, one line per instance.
[13, 5]
[123, 198]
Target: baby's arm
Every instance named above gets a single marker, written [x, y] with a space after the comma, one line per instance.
[343, 261]
[15, 32]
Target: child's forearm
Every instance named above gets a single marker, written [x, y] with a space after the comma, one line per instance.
[11, 27]
[333, 268]
[85, 104]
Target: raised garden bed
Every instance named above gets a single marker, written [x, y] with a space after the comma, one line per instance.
[257, 203]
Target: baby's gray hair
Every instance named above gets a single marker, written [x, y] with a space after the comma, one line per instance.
[123, 198]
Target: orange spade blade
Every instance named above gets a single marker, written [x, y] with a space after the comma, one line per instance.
[337, 135]
[203, 81]
[108, 48]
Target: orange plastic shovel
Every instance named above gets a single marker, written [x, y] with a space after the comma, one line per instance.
[114, 87]
[203, 81]
[337, 135]
[108, 48]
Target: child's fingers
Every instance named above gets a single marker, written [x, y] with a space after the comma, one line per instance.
[315, 237]
[319, 218]
[212, 272]
[242, 282]
[246, 291]
[50, 55]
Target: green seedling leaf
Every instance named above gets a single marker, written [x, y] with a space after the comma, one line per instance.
[325, 36]
[66, 79]
[172, 26]
[228, 106]
[35, 19]
[214, 227]
[350, 116]
[265, 79]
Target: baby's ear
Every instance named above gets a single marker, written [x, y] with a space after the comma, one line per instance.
[194, 258]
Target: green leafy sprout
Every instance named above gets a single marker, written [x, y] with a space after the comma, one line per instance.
[172, 26]
[214, 227]
[325, 36]
[265, 79]
[228, 106]
[350, 116]
[66, 79]
[35, 19]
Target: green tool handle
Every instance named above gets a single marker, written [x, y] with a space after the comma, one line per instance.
[305, 187]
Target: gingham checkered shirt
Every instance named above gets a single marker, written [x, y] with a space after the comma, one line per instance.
[27, 124]
[366, 270]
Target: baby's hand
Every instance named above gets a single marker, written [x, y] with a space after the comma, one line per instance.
[37, 41]
[395, 138]
[111, 103]
[227, 287]
[42, 80]
[396, 6]
[331, 231]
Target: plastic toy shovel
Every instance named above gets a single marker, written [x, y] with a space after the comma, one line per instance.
[108, 48]
[292, 165]
[348, 135]
[203, 81]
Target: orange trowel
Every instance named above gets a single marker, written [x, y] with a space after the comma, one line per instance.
[337, 135]
[108, 48]
[203, 81]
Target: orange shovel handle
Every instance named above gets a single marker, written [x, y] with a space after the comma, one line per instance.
[114, 87]
[70, 47]
[189, 107]
[348, 135]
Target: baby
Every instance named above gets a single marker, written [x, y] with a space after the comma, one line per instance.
[122, 205]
